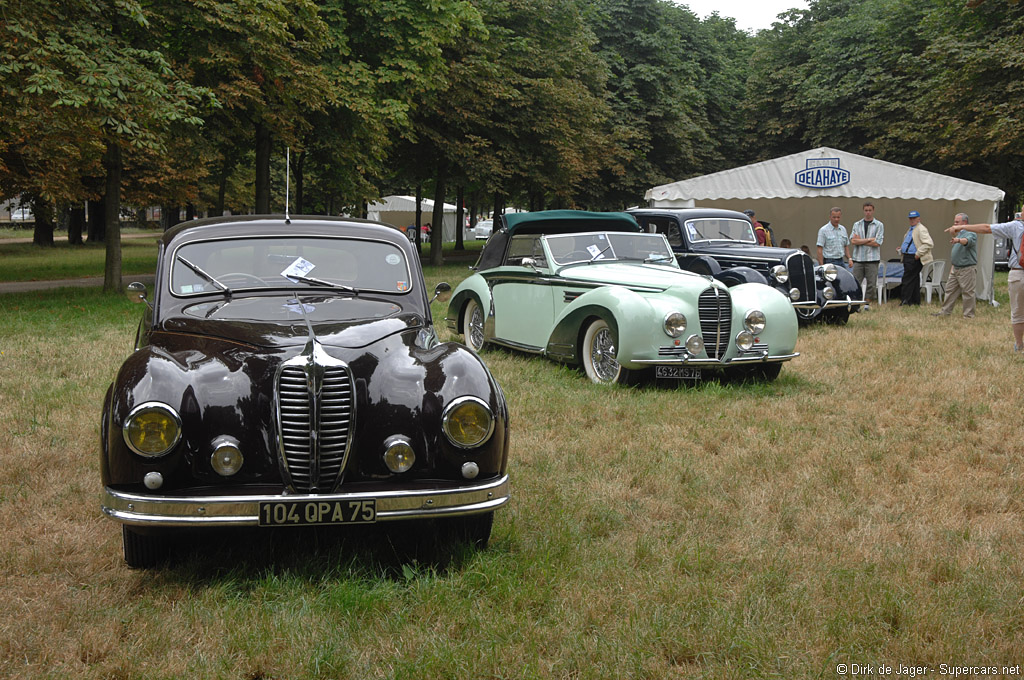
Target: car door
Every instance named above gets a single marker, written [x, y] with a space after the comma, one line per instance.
[523, 295]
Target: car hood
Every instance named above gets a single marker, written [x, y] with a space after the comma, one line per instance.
[623, 274]
[278, 321]
[767, 253]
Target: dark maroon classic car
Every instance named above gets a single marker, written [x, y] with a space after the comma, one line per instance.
[287, 373]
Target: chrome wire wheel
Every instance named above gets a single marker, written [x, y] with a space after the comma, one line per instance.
[599, 354]
[473, 325]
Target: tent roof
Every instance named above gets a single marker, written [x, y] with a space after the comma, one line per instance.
[405, 204]
[867, 178]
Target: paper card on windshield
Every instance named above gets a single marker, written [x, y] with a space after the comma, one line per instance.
[594, 250]
[300, 267]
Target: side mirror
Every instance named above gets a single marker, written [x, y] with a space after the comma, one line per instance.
[136, 292]
[441, 291]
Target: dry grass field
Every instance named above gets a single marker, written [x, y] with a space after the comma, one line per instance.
[866, 508]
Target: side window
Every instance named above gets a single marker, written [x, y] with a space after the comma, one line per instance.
[527, 245]
[667, 226]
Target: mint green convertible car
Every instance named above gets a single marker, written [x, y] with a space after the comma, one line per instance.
[593, 289]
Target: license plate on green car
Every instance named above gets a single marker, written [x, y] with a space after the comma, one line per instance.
[676, 373]
[306, 513]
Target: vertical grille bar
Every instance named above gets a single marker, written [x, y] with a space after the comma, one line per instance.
[714, 308]
[801, 276]
[315, 409]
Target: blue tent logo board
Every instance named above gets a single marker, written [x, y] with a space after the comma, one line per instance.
[822, 173]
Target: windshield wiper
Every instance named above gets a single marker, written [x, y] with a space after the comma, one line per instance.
[320, 282]
[605, 250]
[198, 270]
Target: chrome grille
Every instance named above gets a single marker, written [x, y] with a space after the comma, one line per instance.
[714, 308]
[315, 412]
[801, 276]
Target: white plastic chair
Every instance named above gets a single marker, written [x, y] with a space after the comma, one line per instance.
[931, 279]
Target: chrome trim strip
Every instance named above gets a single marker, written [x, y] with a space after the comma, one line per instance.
[758, 358]
[146, 510]
[845, 303]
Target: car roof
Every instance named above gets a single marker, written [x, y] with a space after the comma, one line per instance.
[234, 226]
[549, 222]
[568, 222]
[691, 213]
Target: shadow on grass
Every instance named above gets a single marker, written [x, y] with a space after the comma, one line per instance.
[396, 551]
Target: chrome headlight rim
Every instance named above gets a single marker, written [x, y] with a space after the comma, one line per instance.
[399, 455]
[794, 294]
[674, 324]
[694, 344]
[447, 419]
[755, 321]
[223, 467]
[781, 273]
[147, 406]
[829, 293]
[829, 272]
[745, 340]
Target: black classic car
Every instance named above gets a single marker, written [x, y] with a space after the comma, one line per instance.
[721, 243]
[287, 373]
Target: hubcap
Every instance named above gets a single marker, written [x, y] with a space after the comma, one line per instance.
[476, 328]
[602, 356]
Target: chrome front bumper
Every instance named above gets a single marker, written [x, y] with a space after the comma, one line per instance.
[194, 511]
[689, 360]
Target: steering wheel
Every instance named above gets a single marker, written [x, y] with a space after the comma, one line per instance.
[223, 278]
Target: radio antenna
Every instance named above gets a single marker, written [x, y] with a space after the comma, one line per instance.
[287, 178]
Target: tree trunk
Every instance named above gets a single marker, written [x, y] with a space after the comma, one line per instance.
[419, 217]
[499, 207]
[169, 216]
[76, 224]
[42, 234]
[460, 216]
[262, 169]
[97, 214]
[190, 212]
[112, 203]
[300, 204]
[437, 221]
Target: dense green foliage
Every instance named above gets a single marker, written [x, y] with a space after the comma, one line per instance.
[540, 103]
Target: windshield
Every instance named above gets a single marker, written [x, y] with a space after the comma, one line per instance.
[712, 228]
[289, 262]
[610, 246]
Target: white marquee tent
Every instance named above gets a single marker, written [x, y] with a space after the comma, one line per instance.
[401, 212]
[795, 193]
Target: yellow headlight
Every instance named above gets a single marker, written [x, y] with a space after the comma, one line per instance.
[467, 422]
[152, 429]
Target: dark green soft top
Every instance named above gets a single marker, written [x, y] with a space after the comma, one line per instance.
[568, 221]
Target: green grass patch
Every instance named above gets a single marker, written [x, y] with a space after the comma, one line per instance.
[28, 262]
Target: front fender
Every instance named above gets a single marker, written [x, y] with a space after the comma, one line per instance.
[624, 311]
[737, 275]
[781, 327]
[473, 287]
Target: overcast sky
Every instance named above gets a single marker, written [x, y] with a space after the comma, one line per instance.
[750, 15]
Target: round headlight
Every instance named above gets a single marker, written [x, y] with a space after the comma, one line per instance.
[467, 422]
[755, 321]
[794, 294]
[398, 454]
[829, 293]
[830, 272]
[152, 429]
[780, 273]
[675, 324]
[744, 340]
[694, 344]
[226, 459]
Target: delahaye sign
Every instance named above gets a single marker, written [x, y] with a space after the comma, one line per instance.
[822, 173]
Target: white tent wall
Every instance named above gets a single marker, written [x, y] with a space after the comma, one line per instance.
[400, 211]
[797, 212]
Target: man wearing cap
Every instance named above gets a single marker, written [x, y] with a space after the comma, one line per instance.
[916, 250]
[833, 241]
[866, 239]
[963, 274]
[1013, 230]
